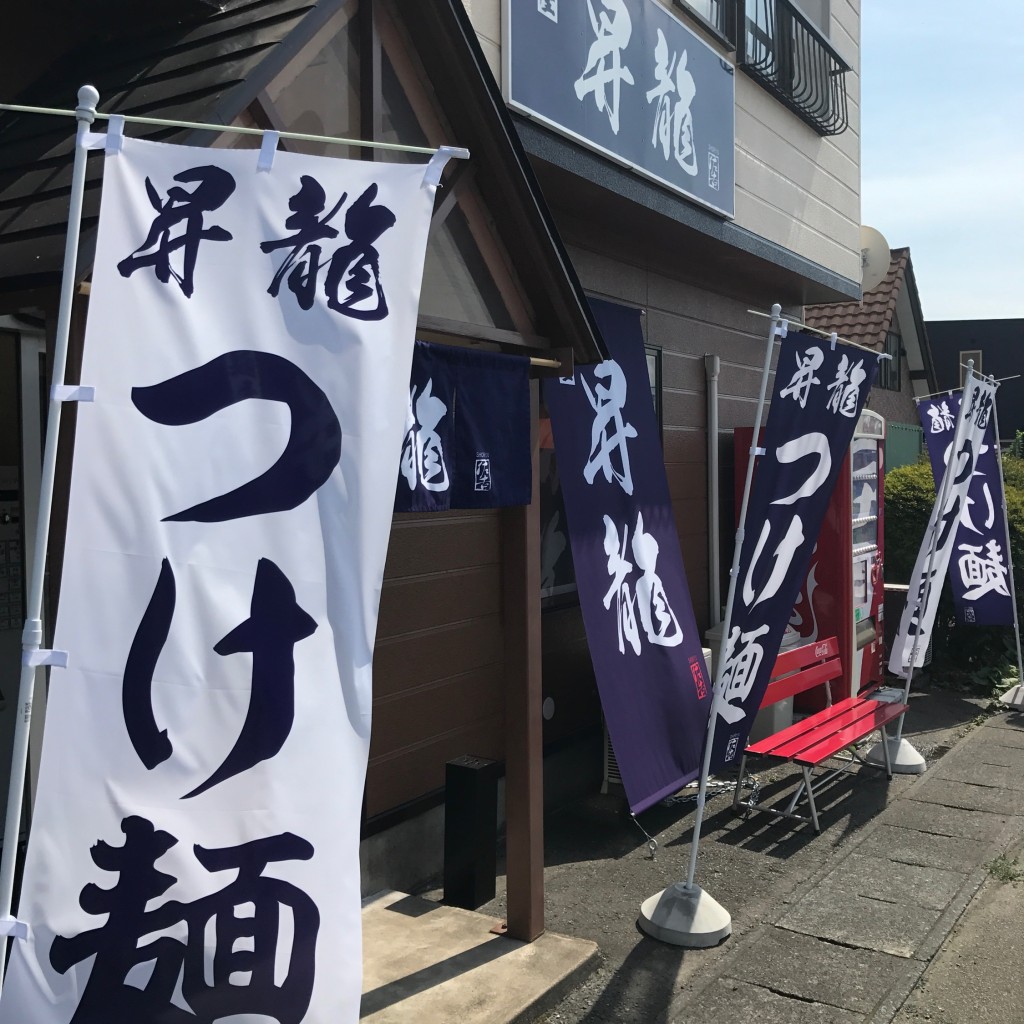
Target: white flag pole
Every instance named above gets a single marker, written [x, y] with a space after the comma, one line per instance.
[684, 914]
[1015, 695]
[32, 635]
[904, 758]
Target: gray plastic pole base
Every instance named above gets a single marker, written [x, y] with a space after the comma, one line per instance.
[1014, 696]
[903, 756]
[684, 915]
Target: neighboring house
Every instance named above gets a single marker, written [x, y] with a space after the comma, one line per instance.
[888, 319]
[756, 118]
[997, 348]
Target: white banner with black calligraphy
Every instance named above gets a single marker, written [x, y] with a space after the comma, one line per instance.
[194, 848]
[968, 440]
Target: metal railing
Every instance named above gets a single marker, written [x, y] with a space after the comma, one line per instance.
[788, 55]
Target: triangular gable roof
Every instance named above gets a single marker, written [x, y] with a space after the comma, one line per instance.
[869, 321]
[210, 69]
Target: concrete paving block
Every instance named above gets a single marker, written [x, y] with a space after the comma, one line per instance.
[982, 772]
[1011, 722]
[838, 916]
[910, 846]
[950, 793]
[730, 1001]
[790, 963]
[968, 979]
[934, 819]
[897, 881]
[1001, 754]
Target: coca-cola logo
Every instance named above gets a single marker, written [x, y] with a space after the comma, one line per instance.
[821, 650]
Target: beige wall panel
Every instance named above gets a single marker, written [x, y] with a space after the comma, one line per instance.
[486, 18]
[418, 659]
[781, 227]
[806, 150]
[824, 205]
[736, 412]
[600, 276]
[743, 381]
[684, 446]
[691, 308]
[682, 371]
[683, 409]
[671, 330]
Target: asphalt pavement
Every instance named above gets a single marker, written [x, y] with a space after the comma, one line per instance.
[907, 907]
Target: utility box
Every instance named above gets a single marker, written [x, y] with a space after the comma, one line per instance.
[470, 831]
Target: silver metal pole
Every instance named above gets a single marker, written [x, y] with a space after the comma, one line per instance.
[32, 635]
[713, 367]
[709, 741]
[944, 489]
[164, 122]
[1009, 553]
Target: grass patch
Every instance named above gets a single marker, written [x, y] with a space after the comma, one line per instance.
[1006, 869]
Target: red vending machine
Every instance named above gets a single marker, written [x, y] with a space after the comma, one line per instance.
[843, 595]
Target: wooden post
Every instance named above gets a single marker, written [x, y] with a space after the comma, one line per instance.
[524, 778]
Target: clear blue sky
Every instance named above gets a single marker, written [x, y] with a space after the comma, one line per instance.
[942, 124]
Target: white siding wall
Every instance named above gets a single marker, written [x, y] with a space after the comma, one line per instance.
[793, 187]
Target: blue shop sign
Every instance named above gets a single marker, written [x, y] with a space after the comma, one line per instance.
[626, 78]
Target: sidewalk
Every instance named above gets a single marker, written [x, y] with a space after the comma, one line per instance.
[857, 925]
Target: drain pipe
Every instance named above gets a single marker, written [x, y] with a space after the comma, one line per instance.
[713, 367]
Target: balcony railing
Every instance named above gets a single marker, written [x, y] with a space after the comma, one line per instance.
[784, 51]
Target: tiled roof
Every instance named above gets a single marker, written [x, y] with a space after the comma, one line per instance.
[865, 322]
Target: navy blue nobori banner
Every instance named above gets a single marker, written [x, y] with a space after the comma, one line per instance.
[467, 431]
[980, 566]
[817, 398]
[632, 585]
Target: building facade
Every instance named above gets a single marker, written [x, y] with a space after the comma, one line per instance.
[995, 346]
[473, 642]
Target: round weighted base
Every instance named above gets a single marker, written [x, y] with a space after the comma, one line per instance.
[684, 915]
[903, 756]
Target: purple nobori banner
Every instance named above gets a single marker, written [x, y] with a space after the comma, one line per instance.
[629, 570]
[980, 570]
[817, 400]
[467, 431]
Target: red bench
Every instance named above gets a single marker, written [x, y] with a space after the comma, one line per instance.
[820, 736]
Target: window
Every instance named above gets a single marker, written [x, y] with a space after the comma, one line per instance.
[717, 15]
[965, 355]
[783, 49]
[890, 376]
[817, 11]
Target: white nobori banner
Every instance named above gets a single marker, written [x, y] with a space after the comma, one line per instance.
[911, 642]
[194, 848]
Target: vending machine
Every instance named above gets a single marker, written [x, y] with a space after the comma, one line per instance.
[843, 594]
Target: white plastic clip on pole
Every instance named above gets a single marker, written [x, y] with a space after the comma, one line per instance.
[32, 636]
[684, 914]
